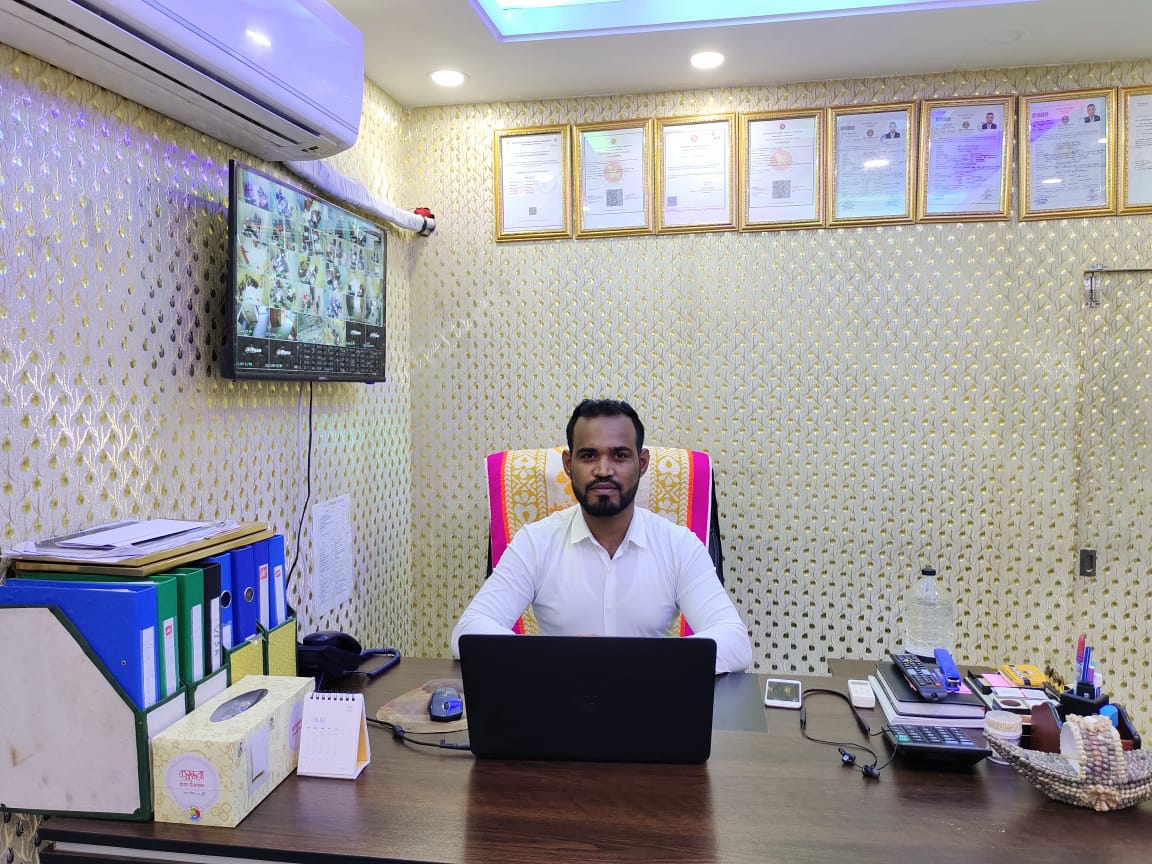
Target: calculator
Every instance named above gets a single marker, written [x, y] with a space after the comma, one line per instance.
[937, 743]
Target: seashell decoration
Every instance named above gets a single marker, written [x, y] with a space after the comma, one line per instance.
[1091, 770]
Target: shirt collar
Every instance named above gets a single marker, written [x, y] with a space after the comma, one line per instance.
[636, 535]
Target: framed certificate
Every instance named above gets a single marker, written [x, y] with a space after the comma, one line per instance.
[1136, 150]
[870, 164]
[965, 159]
[533, 184]
[613, 171]
[695, 174]
[782, 170]
[1067, 150]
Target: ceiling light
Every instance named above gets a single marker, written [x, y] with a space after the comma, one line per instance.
[707, 59]
[259, 38]
[448, 77]
[521, 20]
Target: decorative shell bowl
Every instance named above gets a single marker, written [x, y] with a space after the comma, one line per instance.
[1091, 769]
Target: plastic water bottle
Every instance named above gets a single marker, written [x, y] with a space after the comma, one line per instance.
[931, 617]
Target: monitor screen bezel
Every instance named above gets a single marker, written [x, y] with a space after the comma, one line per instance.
[230, 367]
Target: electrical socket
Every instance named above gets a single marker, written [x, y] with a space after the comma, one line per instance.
[1088, 563]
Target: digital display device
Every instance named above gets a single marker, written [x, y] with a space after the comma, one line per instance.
[307, 285]
[782, 693]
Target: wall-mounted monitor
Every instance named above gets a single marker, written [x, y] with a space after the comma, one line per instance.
[306, 285]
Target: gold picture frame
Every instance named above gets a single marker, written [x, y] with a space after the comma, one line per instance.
[965, 159]
[1135, 150]
[533, 183]
[1068, 154]
[695, 174]
[612, 176]
[871, 164]
[782, 177]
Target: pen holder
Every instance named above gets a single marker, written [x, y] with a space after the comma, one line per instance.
[1072, 703]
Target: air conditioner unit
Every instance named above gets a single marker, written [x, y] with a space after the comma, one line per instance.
[280, 79]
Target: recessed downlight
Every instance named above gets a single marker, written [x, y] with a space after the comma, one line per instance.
[448, 77]
[707, 59]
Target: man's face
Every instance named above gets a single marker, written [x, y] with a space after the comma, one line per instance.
[604, 464]
[1091, 110]
[988, 118]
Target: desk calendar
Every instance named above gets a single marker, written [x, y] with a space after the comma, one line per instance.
[334, 736]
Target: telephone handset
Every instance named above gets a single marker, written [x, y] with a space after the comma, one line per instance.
[332, 654]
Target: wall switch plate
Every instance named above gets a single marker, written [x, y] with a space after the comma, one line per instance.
[1088, 563]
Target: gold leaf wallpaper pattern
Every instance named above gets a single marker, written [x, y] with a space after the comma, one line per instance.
[873, 398]
[113, 267]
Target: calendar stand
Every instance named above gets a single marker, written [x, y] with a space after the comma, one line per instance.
[334, 736]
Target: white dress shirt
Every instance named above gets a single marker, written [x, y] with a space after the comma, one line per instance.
[576, 588]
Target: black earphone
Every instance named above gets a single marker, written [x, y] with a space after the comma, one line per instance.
[870, 771]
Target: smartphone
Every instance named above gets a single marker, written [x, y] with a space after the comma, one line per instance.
[782, 693]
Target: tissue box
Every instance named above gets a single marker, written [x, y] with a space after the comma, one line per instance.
[215, 765]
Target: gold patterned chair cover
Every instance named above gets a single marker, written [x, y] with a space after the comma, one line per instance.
[527, 485]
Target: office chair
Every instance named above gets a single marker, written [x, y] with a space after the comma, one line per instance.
[527, 485]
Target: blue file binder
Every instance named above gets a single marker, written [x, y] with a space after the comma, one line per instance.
[226, 599]
[263, 583]
[117, 619]
[278, 604]
[245, 604]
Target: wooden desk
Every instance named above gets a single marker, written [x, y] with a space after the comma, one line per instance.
[765, 796]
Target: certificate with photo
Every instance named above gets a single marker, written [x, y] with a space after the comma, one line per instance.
[873, 151]
[696, 175]
[1136, 150]
[1067, 153]
[965, 159]
[782, 170]
[613, 176]
[532, 183]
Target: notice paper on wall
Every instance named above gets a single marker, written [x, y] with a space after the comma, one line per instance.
[332, 553]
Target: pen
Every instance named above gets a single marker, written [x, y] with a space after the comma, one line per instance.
[1086, 665]
[1080, 648]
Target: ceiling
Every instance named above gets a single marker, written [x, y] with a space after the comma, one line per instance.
[405, 40]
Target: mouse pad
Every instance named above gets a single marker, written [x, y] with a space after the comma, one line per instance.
[410, 710]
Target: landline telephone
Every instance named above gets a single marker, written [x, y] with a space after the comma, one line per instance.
[330, 654]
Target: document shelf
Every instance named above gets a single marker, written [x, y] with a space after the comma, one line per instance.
[269, 652]
[247, 658]
[71, 741]
[156, 562]
[201, 691]
[280, 647]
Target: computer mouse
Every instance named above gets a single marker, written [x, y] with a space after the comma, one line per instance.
[445, 705]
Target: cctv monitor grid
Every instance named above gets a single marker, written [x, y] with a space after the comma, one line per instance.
[309, 282]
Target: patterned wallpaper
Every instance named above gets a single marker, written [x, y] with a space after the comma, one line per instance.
[874, 399]
[113, 266]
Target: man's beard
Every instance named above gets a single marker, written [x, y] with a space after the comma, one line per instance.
[605, 506]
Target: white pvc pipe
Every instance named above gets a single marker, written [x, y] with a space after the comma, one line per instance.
[347, 190]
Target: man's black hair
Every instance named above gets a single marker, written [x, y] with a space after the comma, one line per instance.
[607, 408]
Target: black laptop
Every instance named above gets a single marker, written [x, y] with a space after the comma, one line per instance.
[606, 698]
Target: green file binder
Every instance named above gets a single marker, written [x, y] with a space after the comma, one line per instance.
[190, 605]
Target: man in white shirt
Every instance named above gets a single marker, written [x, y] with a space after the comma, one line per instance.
[605, 567]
